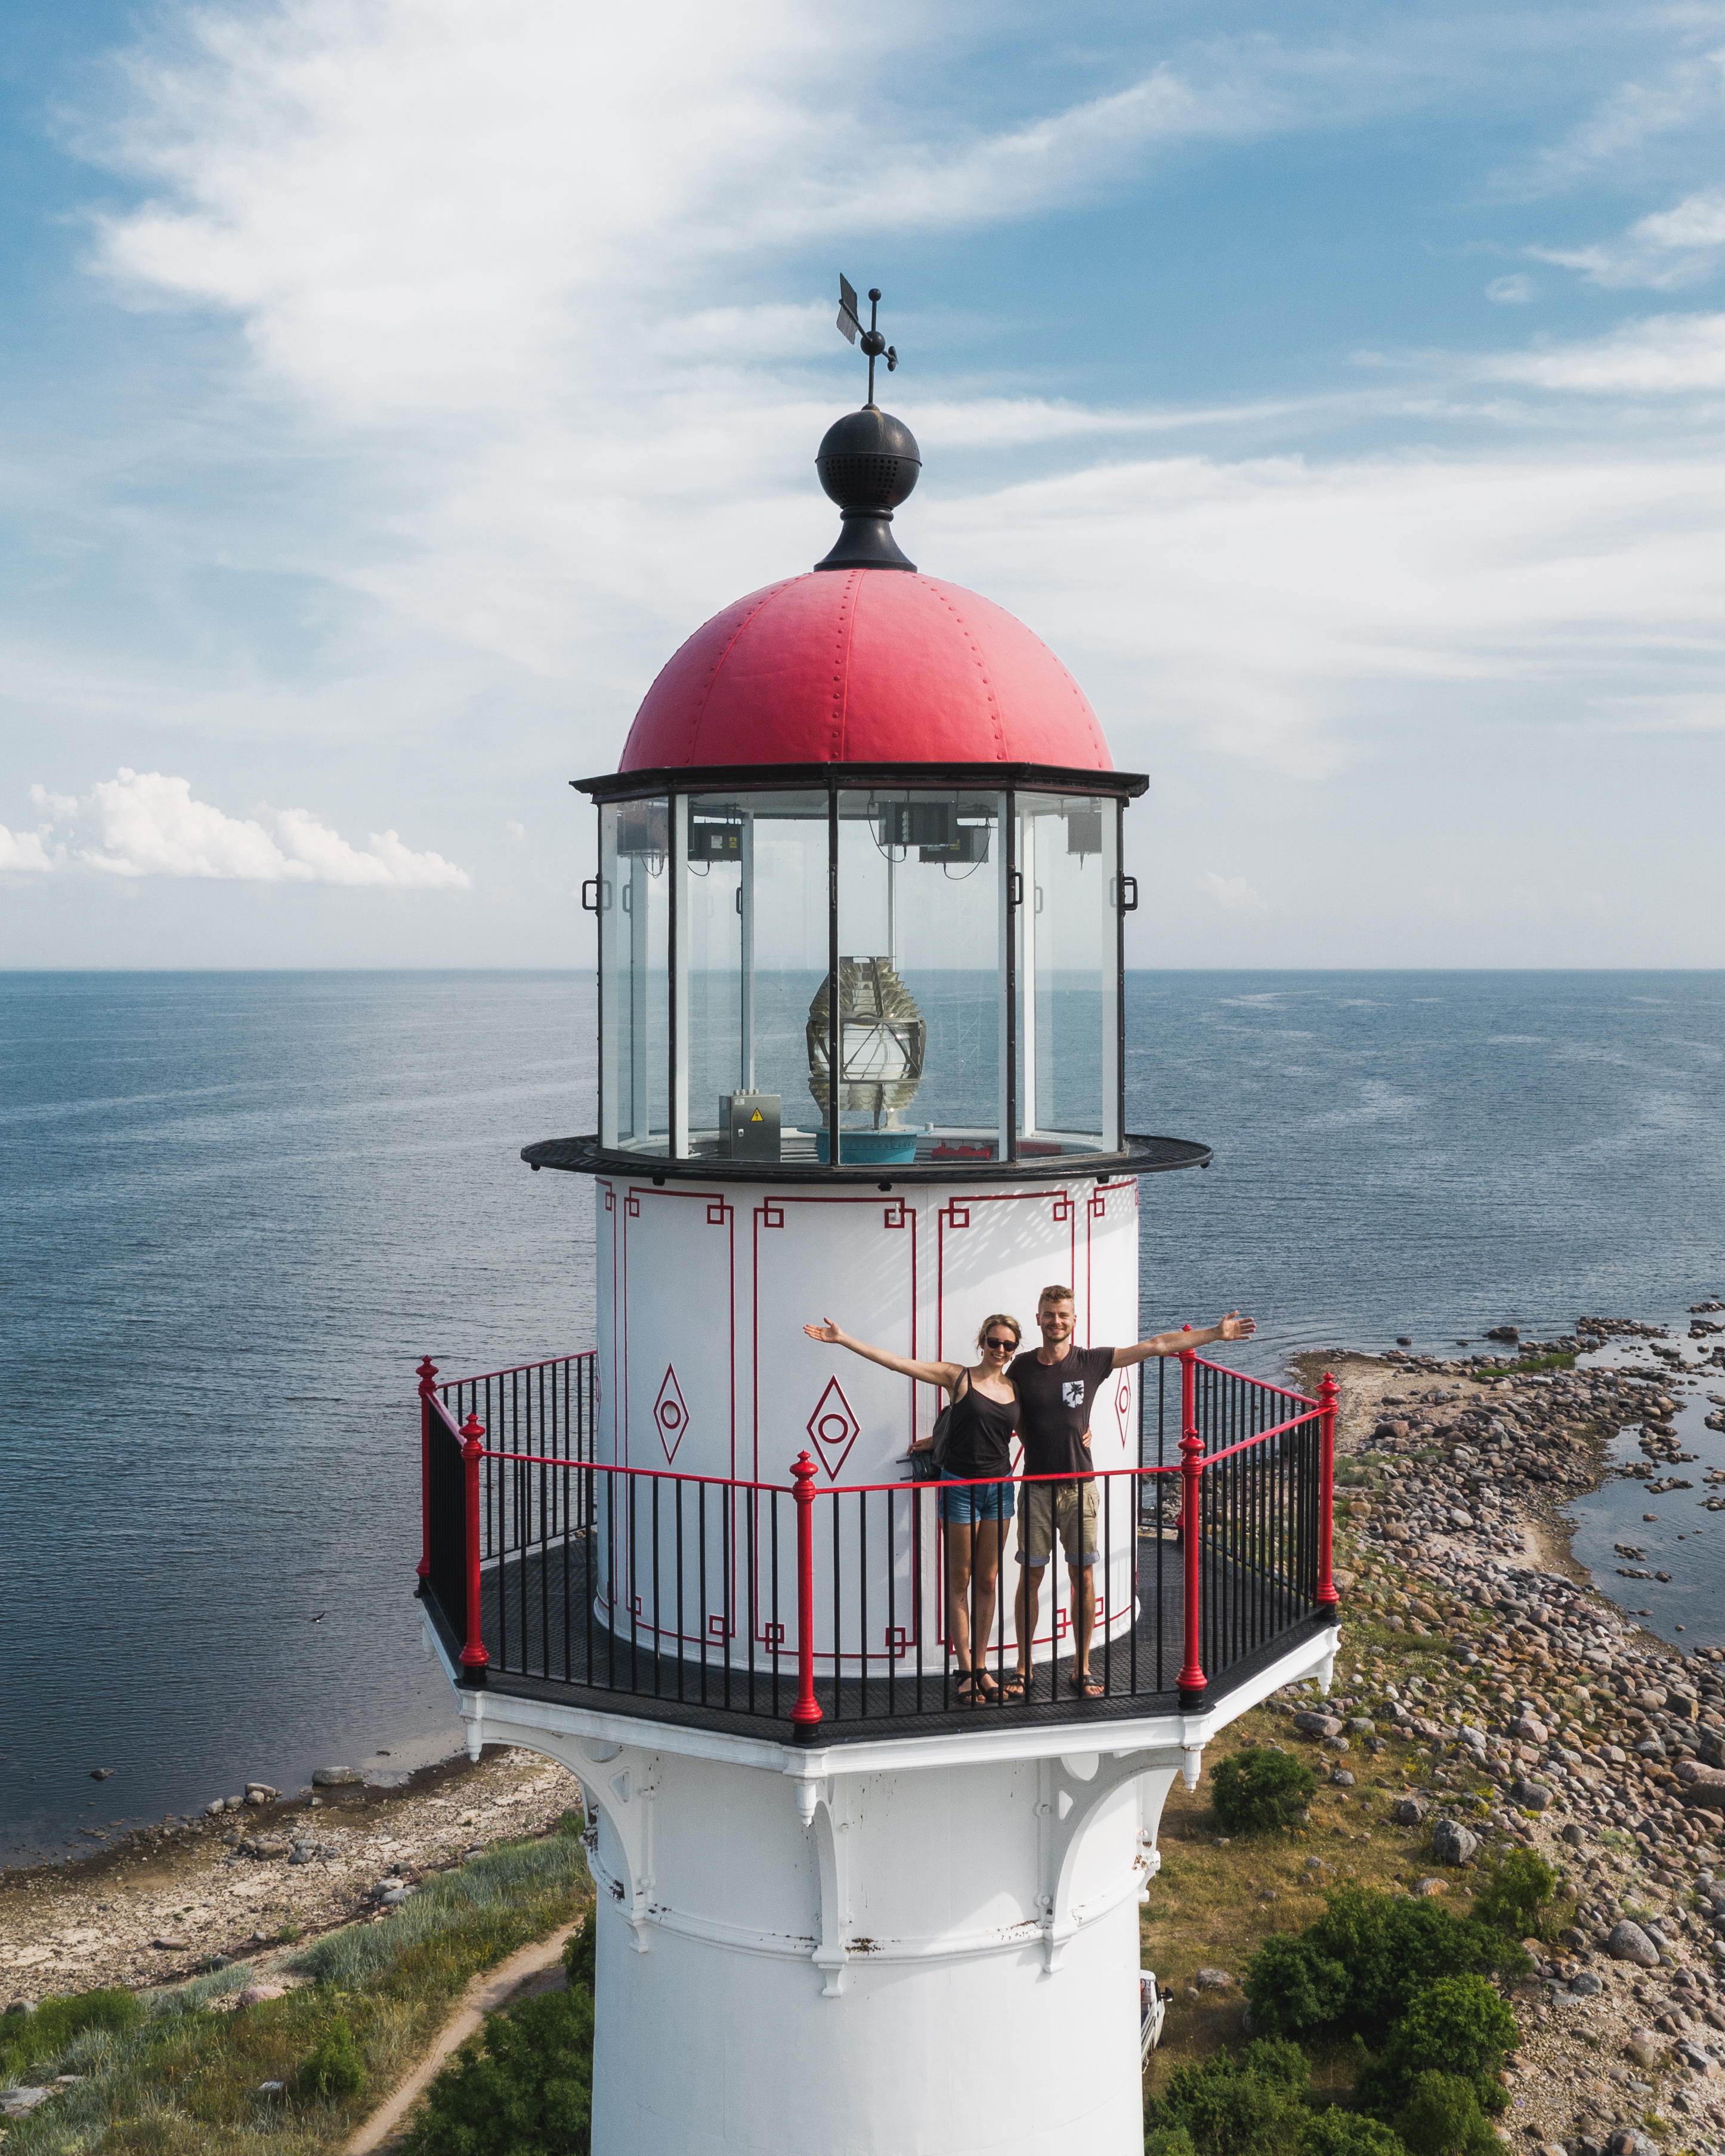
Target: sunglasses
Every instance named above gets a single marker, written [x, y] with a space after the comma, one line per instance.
[995, 1340]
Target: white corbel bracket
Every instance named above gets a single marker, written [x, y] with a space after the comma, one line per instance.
[621, 1781]
[824, 1807]
[1070, 1791]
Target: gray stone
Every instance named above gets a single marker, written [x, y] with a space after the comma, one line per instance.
[1309, 1725]
[1645, 2048]
[1409, 1811]
[17, 2102]
[1361, 1725]
[1585, 1984]
[1629, 1942]
[1213, 1979]
[1628, 2142]
[1530, 1796]
[1341, 1778]
[303, 1853]
[1451, 1843]
[390, 1895]
[1334, 1743]
[335, 1777]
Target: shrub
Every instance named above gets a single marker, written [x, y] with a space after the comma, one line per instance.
[1386, 1950]
[1293, 1984]
[1521, 1887]
[578, 1955]
[522, 2087]
[26, 2040]
[1243, 2103]
[1442, 2117]
[1335, 2133]
[335, 2068]
[1254, 1791]
[1457, 2026]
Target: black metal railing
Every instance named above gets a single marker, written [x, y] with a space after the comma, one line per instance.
[839, 1607]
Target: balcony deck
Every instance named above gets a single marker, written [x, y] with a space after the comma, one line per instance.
[536, 1616]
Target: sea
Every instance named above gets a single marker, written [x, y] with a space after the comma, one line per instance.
[236, 1209]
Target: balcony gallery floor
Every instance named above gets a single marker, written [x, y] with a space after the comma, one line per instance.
[546, 1645]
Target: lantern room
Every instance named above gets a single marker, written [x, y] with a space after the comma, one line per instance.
[860, 894]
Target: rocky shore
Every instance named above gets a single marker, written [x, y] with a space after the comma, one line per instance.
[249, 1881]
[1541, 1713]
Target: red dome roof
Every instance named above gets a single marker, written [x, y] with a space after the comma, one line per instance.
[864, 666]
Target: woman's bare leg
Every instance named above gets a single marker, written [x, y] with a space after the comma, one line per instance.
[985, 1586]
[958, 1593]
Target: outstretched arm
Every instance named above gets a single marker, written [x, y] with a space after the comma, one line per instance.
[928, 1373]
[1233, 1327]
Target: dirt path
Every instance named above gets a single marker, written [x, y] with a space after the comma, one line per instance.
[511, 1980]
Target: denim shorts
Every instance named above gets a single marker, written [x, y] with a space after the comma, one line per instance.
[966, 1504]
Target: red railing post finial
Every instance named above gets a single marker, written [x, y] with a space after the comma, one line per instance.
[474, 1658]
[1192, 1682]
[805, 1714]
[428, 1387]
[1327, 1598]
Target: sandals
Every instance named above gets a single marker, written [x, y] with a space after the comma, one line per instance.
[1013, 1687]
[1084, 1685]
[977, 1688]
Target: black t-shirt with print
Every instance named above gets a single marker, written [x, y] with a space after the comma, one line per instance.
[1055, 1401]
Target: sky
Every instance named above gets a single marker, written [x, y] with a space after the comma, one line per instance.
[387, 390]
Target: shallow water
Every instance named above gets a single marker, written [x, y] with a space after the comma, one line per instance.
[235, 1210]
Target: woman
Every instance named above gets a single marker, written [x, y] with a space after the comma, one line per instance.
[984, 1416]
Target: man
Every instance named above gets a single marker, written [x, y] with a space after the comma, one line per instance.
[1056, 1387]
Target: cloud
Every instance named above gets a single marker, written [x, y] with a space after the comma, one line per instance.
[1660, 356]
[1631, 125]
[148, 825]
[21, 853]
[1234, 896]
[1511, 291]
[1662, 253]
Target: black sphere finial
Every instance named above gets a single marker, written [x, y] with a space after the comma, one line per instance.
[868, 461]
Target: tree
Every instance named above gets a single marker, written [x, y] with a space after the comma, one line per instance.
[1254, 1791]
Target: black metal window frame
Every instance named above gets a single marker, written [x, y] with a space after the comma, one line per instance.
[1002, 780]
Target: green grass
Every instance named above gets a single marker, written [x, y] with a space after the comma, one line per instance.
[182, 2079]
[1522, 1364]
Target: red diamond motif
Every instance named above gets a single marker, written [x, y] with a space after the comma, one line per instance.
[670, 1413]
[833, 1428]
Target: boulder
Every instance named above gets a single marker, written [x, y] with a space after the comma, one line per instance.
[1585, 1984]
[1530, 1727]
[1705, 1796]
[1452, 1843]
[1628, 2142]
[335, 1777]
[1645, 2047]
[1409, 1811]
[1629, 1942]
[1318, 1724]
[1530, 1796]
[1213, 1979]
[1693, 1771]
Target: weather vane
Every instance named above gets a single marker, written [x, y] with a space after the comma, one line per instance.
[850, 327]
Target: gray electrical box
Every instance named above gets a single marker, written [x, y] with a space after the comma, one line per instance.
[748, 1125]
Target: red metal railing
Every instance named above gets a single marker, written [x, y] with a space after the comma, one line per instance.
[545, 1564]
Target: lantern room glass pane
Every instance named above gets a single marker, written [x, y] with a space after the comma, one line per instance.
[635, 1004]
[1068, 967]
[921, 927]
[753, 935]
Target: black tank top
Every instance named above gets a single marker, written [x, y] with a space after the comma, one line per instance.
[979, 1435]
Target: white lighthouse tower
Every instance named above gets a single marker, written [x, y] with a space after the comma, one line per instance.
[859, 907]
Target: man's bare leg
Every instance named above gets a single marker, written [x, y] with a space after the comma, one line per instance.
[1023, 1611]
[1084, 1613]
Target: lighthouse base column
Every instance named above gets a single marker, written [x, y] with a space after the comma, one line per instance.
[941, 1959]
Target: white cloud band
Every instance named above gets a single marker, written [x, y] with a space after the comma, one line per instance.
[144, 823]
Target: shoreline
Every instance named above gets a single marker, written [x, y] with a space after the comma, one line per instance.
[163, 1905]
[1538, 1712]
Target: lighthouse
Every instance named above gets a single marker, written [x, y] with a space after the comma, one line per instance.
[860, 905]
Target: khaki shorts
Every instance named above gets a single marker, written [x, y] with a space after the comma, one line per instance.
[1069, 1506]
